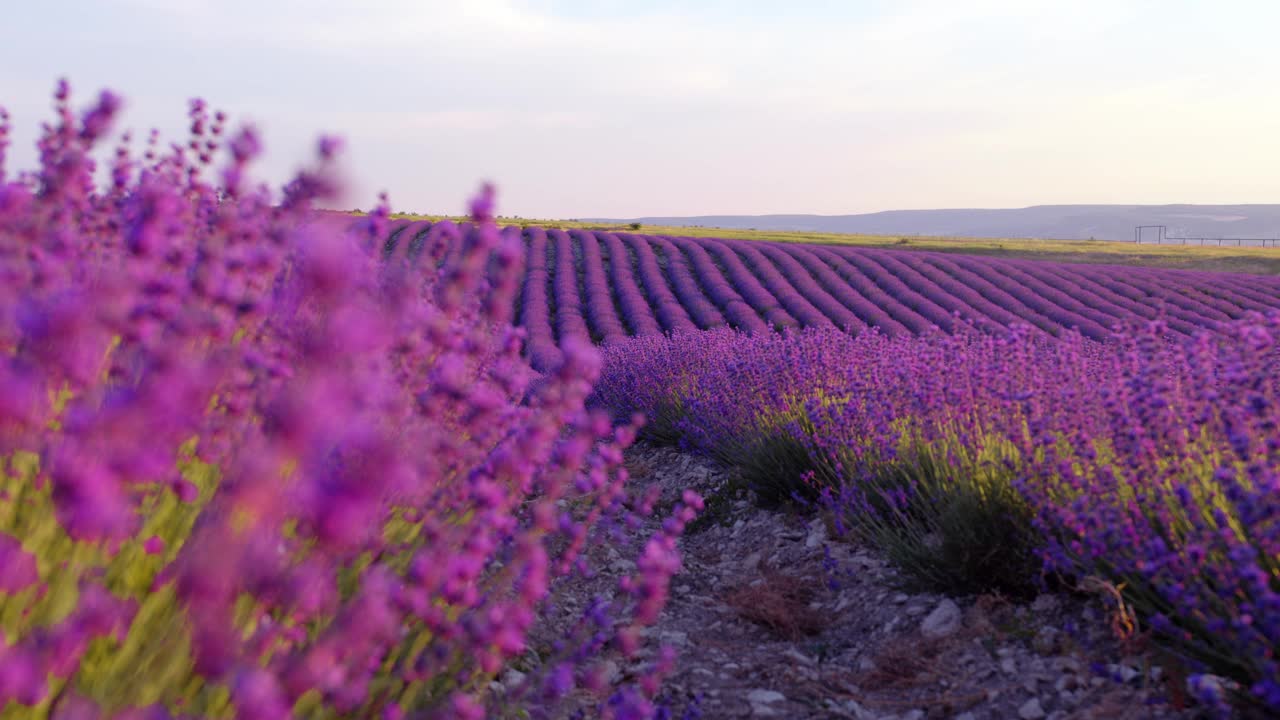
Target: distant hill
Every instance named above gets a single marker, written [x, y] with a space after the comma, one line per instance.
[1064, 222]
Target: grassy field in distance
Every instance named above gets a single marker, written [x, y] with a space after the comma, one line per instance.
[1258, 260]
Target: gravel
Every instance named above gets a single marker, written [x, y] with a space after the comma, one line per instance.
[765, 629]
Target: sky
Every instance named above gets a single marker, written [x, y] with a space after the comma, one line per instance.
[626, 109]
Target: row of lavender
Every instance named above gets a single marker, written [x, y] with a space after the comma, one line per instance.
[250, 470]
[1146, 468]
[608, 286]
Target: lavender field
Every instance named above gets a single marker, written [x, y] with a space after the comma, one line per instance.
[261, 462]
[989, 424]
[606, 286]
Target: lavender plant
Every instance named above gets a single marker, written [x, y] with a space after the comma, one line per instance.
[980, 461]
[253, 469]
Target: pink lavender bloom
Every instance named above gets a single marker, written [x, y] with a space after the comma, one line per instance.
[483, 203]
[21, 677]
[95, 122]
[329, 147]
[258, 697]
[17, 567]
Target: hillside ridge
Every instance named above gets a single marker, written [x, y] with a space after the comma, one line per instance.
[1061, 222]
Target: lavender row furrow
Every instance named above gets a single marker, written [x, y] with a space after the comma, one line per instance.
[1215, 298]
[1069, 296]
[606, 286]
[398, 234]
[763, 301]
[602, 315]
[1094, 323]
[1167, 293]
[1086, 289]
[569, 320]
[1248, 295]
[786, 294]
[896, 292]
[949, 286]
[811, 288]
[995, 294]
[699, 304]
[718, 289]
[411, 241]
[900, 315]
[1138, 297]
[636, 312]
[996, 273]
[867, 311]
[896, 265]
[535, 310]
[1245, 292]
[680, 304]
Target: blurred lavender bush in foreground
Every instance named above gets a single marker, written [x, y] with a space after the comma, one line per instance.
[251, 470]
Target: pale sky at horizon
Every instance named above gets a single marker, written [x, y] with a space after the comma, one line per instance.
[622, 109]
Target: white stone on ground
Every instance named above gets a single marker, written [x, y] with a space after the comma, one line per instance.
[943, 621]
[1031, 710]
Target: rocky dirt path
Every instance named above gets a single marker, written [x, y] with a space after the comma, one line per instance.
[772, 618]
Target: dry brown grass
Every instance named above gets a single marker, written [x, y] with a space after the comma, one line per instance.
[636, 468]
[780, 603]
[907, 662]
